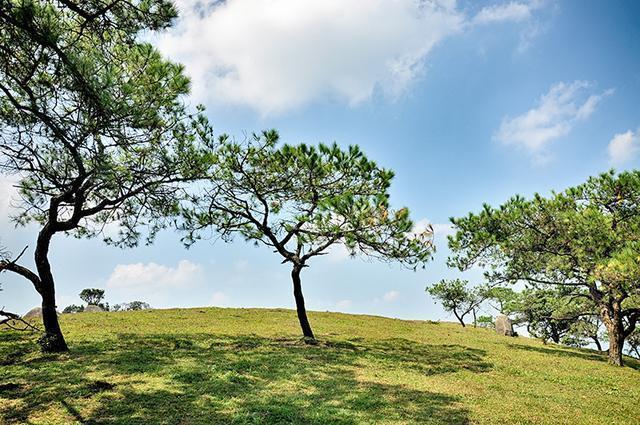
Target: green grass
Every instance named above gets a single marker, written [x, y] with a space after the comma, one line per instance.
[247, 366]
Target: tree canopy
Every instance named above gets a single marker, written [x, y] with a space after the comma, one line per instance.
[300, 201]
[457, 297]
[92, 296]
[584, 239]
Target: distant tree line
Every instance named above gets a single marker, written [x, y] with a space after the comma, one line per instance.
[94, 297]
[545, 313]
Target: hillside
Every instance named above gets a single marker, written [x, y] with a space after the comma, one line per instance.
[247, 366]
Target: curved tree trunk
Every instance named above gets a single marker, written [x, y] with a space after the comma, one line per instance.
[596, 340]
[300, 308]
[455, 313]
[53, 339]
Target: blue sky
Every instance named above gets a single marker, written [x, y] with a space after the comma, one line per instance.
[468, 102]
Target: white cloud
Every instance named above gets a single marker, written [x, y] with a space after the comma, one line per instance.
[623, 147]
[442, 229]
[513, 11]
[150, 277]
[275, 55]
[344, 304]
[391, 296]
[554, 116]
[521, 12]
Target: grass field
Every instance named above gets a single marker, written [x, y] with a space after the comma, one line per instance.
[247, 366]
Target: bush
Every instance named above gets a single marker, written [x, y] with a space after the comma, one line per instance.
[73, 308]
[132, 306]
[486, 322]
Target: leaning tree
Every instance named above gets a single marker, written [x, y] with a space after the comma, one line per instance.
[585, 240]
[301, 200]
[457, 297]
[93, 127]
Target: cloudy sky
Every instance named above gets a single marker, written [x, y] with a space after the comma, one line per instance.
[468, 102]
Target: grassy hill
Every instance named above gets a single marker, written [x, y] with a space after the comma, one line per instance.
[247, 366]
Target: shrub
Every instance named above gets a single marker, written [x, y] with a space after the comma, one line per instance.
[73, 308]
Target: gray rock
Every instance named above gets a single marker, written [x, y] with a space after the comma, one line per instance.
[504, 326]
[34, 313]
[93, 309]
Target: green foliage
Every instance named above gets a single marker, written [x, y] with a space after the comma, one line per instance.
[302, 199]
[539, 310]
[73, 309]
[247, 366]
[136, 305]
[457, 297]
[502, 296]
[132, 306]
[92, 296]
[585, 330]
[487, 322]
[93, 120]
[584, 240]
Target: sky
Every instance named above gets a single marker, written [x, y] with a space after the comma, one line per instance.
[468, 102]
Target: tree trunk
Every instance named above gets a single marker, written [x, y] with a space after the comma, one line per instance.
[616, 343]
[455, 313]
[53, 340]
[300, 308]
[597, 342]
[475, 320]
[615, 330]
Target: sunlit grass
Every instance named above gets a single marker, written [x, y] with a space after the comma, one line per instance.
[248, 366]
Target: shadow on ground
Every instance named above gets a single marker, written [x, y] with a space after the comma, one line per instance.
[217, 379]
[583, 353]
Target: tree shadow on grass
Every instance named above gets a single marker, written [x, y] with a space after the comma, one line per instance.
[582, 353]
[218, 379]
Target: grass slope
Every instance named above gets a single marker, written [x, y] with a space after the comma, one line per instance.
[247, 366]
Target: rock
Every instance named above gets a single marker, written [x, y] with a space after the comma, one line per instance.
[504, 326]
[93, 309]
[34, 313]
